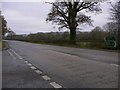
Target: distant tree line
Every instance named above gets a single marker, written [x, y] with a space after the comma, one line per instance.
[93, 39]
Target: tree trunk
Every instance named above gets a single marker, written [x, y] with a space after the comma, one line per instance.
[72, 23]
[72, 35]
[119, 31]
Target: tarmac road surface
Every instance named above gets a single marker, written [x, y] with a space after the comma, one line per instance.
[70, 67]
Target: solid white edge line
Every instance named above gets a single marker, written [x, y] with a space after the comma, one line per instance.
[55, 85]
[115, 65]
[45, 77]
[16, 54]
[11, 54]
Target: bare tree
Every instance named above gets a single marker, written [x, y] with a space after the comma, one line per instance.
[111, 28]
[115, 16]
[68, 14]
[115, 12]
[4, 25]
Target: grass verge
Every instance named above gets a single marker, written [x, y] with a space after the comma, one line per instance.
[82, 45]
[2, 44]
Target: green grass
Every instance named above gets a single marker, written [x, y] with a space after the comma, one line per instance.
[85, 45]
[2, 44]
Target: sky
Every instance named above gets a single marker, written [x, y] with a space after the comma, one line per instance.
[26, 17]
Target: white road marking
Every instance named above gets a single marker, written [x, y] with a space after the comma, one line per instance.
[55, 85]
[16, 54]
[29, 64]
[32, 67]
[26, 62]
[11, 54]
[38, 71]
[115, 65]
[45, 77]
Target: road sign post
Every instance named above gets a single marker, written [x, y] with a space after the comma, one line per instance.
[110, 41]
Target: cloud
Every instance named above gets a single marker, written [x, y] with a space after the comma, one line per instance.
[25, 22]
[28, 0]
[26, 17]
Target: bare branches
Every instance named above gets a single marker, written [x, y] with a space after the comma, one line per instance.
[115, 8]
[115, 12]
[61, 12]
[69, 12]
[82, 18]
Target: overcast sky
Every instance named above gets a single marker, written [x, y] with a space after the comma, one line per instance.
[29, 17]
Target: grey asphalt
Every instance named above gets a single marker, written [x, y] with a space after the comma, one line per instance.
[16, 74]
[70, 67]
[0, 69]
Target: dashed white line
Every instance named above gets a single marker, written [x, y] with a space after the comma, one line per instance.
[32, 67]
[26, 62]
[11, 54]
[45, 77]
[38, 71]
[29, 64]
[55, 85]
[16, 54]
[115, 65]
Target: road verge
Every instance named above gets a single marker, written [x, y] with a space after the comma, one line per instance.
[5, 45]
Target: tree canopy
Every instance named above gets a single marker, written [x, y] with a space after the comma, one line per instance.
[68, 14]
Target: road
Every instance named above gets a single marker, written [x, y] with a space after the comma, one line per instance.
[16, 74]
[0, 69]
[71, 67]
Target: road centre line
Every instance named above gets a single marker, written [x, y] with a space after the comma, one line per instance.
[32, 67]
[38, 71]
[26, 62]
[55, 85]
[45, 77]
[29, 64]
